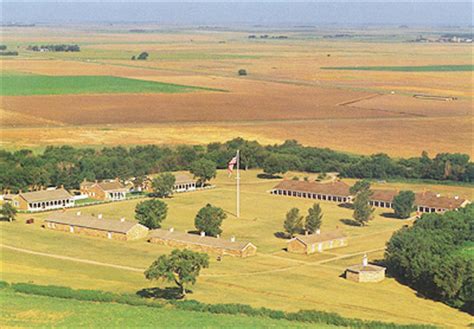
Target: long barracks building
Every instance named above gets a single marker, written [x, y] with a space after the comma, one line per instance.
[339, 192]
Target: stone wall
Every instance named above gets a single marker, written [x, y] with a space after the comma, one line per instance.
[86, 231]
[366, 276]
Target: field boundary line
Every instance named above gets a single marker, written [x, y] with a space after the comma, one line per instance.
[73, 259]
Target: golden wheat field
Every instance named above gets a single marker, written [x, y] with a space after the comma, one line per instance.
[286, 94]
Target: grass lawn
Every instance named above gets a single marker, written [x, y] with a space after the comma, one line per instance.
[427, 68]
[273, 278]
[23, 85]
[20, 310]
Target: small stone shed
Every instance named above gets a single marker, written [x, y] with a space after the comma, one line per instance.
[96, 226]
[317, 242]
[365, 272]
[202, 243]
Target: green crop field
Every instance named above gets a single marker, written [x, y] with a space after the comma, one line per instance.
[427, 68]
[273, 278]
[28, 84]
[20, 310]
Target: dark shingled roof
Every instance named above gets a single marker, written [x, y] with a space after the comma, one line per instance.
[195, 239]
[46, 195]
[316, 238]
[92, 222]
[333, 188]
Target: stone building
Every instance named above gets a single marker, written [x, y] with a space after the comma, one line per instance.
[317, 242]
[365, 272]
[202, 243]
[49, 199]
[425, 202]
[333, 191]
[111, 190]
[96, 226]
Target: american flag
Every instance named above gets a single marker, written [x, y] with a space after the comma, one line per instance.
[231, 164]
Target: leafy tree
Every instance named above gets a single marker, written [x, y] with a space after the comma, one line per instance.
[293, 222]
[8, 212]
[133, 58]
[242, 72]
[275, 164]
[163, 184]
[314, 218]
[181, 267]
[359, 186]
[204, 170]
[151, 213]
[209, 220]
[363, 212]
[404, 204]
[143, 56]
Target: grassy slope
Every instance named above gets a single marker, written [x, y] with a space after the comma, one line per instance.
[273, 278]
[22, 85]
[427, 68]
[20, 310]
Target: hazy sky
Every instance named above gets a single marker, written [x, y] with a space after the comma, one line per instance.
[235, 12]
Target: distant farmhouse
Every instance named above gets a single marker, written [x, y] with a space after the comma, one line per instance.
[317, 242]
[96, 226]
[365, 272]
[202, 243]
[111, 190]
[49, 199]
[333, 191]
[339, 192]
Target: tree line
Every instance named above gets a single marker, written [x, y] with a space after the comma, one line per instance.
[68, 166]
[434, 256]
[61, 47]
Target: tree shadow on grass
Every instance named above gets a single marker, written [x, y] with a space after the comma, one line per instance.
[268, 176]
[281, 235]
[346, 205]
[168, 293]
[350, 222]
[389, 215]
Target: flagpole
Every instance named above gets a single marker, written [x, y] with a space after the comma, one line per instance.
[238, 183]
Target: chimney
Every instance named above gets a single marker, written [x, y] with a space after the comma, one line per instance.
[203, 233]
[122, 219]
[172, 229]
[365, 261]
[78, 213]
[99, 216]
[318, 231]
[232, 239]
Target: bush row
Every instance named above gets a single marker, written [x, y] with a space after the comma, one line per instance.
[310, 316]
[82, 294]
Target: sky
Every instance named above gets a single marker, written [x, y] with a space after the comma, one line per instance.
[419, 13]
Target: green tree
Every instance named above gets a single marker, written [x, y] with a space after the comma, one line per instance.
[404, 204]
[143, 56]
[209, 220]
[163, 184]
[204, 170]
[293, 222]
[275, 164]
[314, 218]
[151, 213]
[8, 212]
[181, 267]
[242, 72]
[359, 186]
[363, 212]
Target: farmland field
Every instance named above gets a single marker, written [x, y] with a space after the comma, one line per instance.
[25, 84]
[273, 278]
[105, 97]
